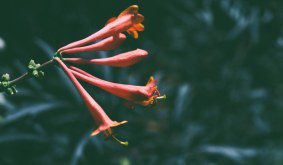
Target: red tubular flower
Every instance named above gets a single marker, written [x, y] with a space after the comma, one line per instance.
[81, 71]
[136, 22]
[142, 95]
[120, 60]
[103, 45]
[129, 20]
[100, 117]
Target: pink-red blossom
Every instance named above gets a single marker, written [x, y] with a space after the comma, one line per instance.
[106, 44]
[120, 60]
[101, 119]
[129, 20]
[142, 95]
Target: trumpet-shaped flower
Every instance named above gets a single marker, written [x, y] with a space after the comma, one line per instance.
[81, 71]
[136, 26]
[120, 60]
[142, 95]
[100, 117]
[129, 20]
[106, 44]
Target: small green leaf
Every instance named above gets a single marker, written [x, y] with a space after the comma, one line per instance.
[14, 89]
[41, 73]
[30, 67]
[9, 91]
[5, 84]
[35, 73]
[5, 77]
[32, 63]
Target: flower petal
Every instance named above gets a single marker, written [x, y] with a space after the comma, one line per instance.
[130, 10]
[109, 43]
[139, 27]
[110, 20]
[133, 33]
[102, 128]
[120, 60]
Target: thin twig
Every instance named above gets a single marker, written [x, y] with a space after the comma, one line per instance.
[27, 74]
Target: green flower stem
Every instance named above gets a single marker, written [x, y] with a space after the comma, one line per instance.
[28, 75]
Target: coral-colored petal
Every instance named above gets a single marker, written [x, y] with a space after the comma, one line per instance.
[147, 102]
[120, 60]
[110, 20]
[151, 81]
[139, 27]
[106, 127]
[119, 123]
[81, 71]
[133, 33]
[106, 44]
[95, 132]
[138, 18]
[130, 10]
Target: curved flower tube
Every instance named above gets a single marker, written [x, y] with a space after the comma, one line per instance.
[109, 43]
[142, 95]
[120, 60]
[100, 117]
[129, 20]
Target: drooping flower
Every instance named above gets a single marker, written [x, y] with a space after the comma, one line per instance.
[102, 120]
[106, 44]
[142, 95]
[136, 26]
[120, 60]
[129, 20]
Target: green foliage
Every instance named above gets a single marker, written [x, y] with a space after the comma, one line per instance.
[5, 85]
[34, 69]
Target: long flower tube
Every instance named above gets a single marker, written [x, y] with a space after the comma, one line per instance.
[100, 117]
[129, 20]
[106, 44]
[142, 95]
[81, 71]
[120, 60]
[129, 104]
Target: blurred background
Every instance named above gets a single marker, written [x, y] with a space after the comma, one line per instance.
[218, 62]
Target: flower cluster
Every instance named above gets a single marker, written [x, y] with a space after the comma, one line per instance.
[110, 37]
[5, 85]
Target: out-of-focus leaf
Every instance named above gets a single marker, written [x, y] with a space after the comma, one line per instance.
[79, 150]
[234, 153]
[182, 101]
[2, 44]
[22, 137]
[31, 110]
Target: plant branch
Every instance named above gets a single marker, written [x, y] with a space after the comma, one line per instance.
[27, 74]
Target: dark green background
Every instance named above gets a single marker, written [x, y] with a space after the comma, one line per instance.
[218, 62]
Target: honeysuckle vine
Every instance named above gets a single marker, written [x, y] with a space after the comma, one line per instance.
[107, 38]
